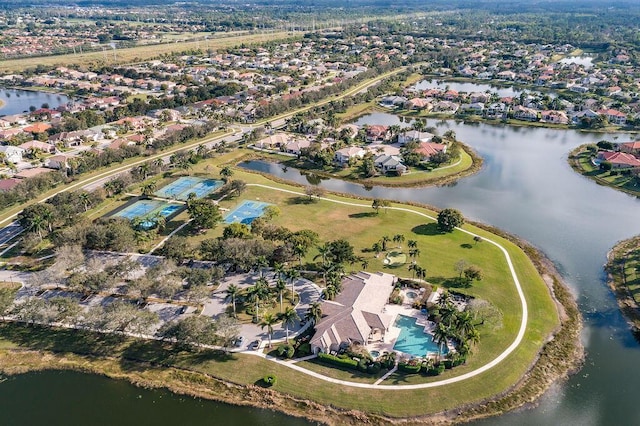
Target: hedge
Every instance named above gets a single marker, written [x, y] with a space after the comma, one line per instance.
[407, 368]
[341, 362]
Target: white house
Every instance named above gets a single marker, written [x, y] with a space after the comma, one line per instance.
[389, 163]
[414, 135]
[342, 156]
[356, 316]
[12, 153]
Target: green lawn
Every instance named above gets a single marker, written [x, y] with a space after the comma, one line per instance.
[580, 160]
[363, 227]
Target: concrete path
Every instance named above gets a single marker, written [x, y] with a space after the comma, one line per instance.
[512, 347]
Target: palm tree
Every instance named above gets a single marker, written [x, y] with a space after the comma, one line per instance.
[289, 317]
[232, 291]
[364, 263]
[293, 275]
[281, 286]
[384, 242]
[148, 189]
[330, 292]
[412, 243]
[324, 251]
[84, 198]
[256, 293]
[300, 250]
[226, 172]
[144, 169]
[421, 273]
[463, 325]
[269, 320]
[444, 299]
[259, 264]
[314, 313]
[447, 315]
[278, 270]
[440, 335]
[399, 239]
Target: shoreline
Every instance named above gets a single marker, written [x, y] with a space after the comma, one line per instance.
[573, 158]
[476, 165]
[559, 356]
[616, 258]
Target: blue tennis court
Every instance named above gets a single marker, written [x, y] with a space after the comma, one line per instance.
[140, 208]
[182, 187]
[147, 209]
[246, 212]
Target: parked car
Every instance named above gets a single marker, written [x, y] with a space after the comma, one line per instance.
[255, 345]
[238, 342]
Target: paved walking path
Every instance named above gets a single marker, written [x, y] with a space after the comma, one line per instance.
[516, 342]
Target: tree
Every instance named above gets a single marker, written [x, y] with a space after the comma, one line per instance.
[226, 172]
[477, 239]
[473, 273]
[314, 313]
[440, 335]
[341, 251]
[398, 238]
[190, 332]
[460, 266]
[148, 189]
[177, 248]
[379, 203]
[204, 213]
[66, 309]
[37, 218]
[281, 286]
[292, 275]
[289, 318]
[268, 321]
[383, 241]
[233, 291]
[227, 329]
[7, 295]
[449, 219]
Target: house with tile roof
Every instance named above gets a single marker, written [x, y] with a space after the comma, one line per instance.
[357, 315]
[630, 148]
[619, 160]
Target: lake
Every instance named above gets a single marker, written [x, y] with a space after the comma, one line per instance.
[585, 61]
[527, 188]
[467, 87]
[18, 101]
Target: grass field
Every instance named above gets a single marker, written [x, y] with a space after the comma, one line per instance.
[137, 54]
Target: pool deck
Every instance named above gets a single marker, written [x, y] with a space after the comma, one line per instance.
[391, 336]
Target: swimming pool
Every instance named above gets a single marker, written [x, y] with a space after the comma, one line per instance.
[413, 340]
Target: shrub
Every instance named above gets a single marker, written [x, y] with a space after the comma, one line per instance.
[304, 349]
[362, 365]
[286, 351]
[448, 364]
[340, 362]
[373, 368]
[407, 368]
[269, 379]
[440, 368]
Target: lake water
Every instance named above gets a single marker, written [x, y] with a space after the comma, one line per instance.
[526, 188]
[18, 101]
[62, 398]
[585, 61]
[467, 87]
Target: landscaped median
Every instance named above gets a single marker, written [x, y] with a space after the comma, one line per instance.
[514, 362]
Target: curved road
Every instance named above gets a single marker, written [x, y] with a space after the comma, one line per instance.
[516, 342]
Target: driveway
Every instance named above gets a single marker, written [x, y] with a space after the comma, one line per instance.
[308, 292]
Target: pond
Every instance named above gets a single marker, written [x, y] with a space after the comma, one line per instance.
[19, 101]
[468, 87]
[584, 60]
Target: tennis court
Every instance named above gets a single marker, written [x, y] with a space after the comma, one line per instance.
[148, 209]
[246, 212]
[140, 208]
[182, 187]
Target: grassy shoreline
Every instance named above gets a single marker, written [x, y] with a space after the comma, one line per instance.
[550, 352]
[579, 160]
[622, 277]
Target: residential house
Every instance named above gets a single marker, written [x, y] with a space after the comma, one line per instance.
[414, 136]
[389, 164]
[37, 128]
[29, 173]
[342, 156]
[12, 153]
[37, 145]
[524, 113]
[418, 104]
[357, 315]
[446, 107]
[619, 160]
[614, 116]
[296, 146]
[274, 141]
[474, 108]
[8, 134]
[496, 110]
[630, 148]
[557, 117]
[8, 184]
[428, 149]
[393, 101]
[377, 133]
[58, 162]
